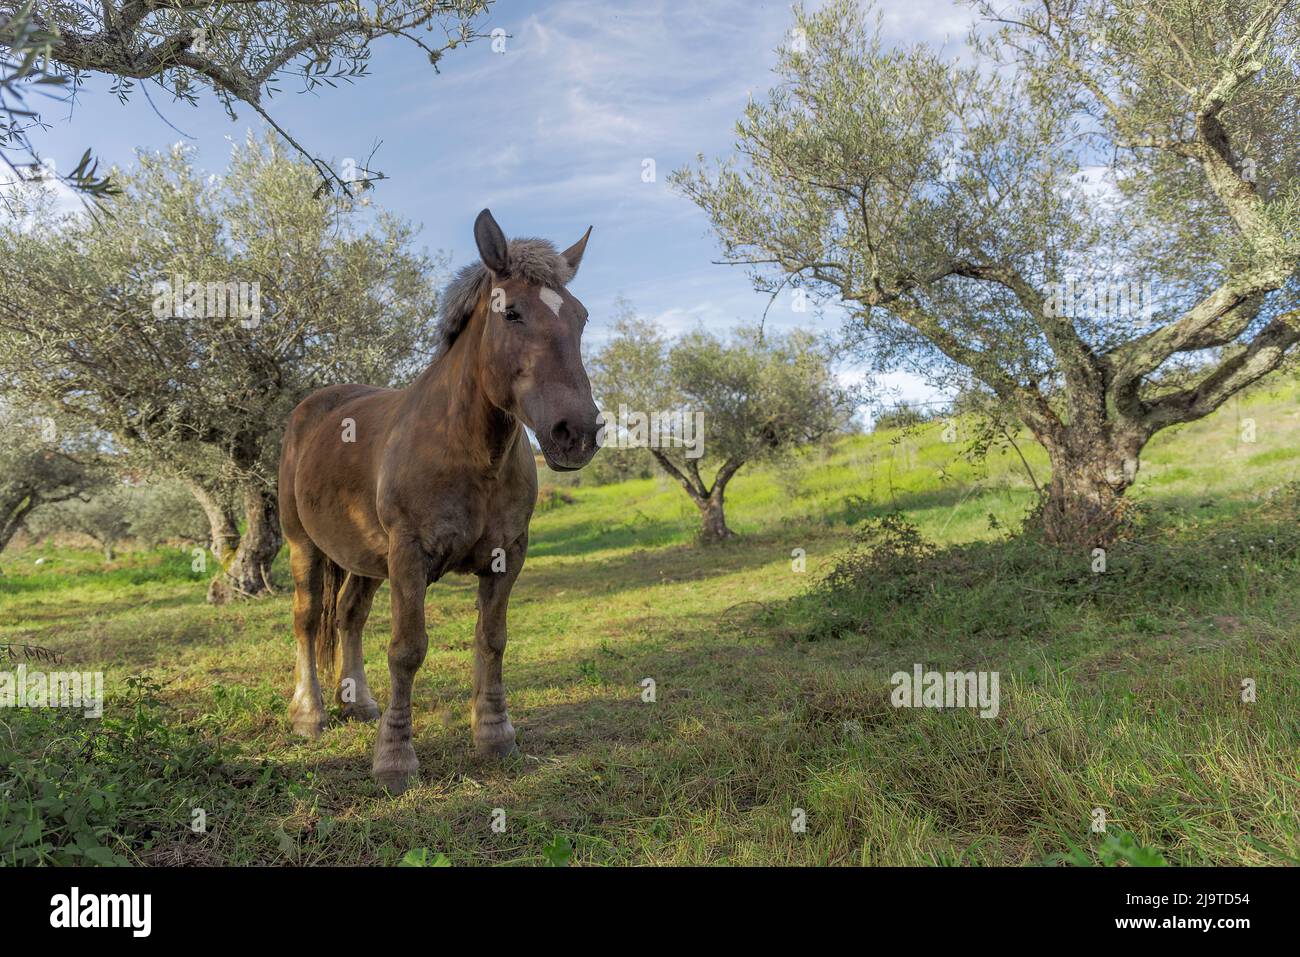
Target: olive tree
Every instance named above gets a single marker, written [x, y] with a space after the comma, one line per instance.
[1096, 214]
[103, 517]
[39, 467]
[189, 323]
[240, 51]
[704, 406]
[166, 511]
[149, 515]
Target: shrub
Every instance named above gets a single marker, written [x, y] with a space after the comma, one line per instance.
[77, 791]
[612, 465]
[901, 416]
[887, 552]
[164, 512]
[103, 517]
[893, 583]
[549, 497]
[152, 515]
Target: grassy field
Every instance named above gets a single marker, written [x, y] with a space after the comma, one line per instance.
[1120, 691]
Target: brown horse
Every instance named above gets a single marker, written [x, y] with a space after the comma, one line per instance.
[411, 484]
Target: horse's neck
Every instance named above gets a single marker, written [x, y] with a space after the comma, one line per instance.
[450, 391]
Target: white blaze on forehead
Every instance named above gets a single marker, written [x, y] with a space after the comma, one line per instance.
[551, 298]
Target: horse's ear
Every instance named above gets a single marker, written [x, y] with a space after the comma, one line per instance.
[573, 255]
[491, 241]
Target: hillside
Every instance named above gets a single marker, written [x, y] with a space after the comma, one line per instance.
[1120, 691]
[1205, 465]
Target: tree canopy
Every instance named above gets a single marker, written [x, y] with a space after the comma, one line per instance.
[241, 51]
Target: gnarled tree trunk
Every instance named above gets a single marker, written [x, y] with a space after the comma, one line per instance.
[223, 529]
[247, 574]
[714, 528]
[708, 499]
[1091, 471]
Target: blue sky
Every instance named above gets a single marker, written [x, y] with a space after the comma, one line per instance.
[551, 134]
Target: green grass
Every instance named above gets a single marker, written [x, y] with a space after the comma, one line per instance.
[1119, 691]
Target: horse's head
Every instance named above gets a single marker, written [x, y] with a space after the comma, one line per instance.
[531, 352]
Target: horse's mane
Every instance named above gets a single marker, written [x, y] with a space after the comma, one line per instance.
[535, 260]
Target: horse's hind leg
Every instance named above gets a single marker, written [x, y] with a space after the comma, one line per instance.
[307, 562]
[353, 693]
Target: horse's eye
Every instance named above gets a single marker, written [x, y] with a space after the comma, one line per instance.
[512, 316]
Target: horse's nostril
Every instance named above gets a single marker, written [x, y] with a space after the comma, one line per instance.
[560, 433]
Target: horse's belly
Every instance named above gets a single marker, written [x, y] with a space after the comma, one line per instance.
[353, 545]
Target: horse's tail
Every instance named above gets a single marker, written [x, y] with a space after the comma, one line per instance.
[327, 633]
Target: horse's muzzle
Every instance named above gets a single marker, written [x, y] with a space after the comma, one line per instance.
[568, 446]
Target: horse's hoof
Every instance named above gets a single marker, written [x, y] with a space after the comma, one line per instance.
[360, 711]
[394, 767]
[512, 753]
[308, 726]
[394, 782]
[500, 744]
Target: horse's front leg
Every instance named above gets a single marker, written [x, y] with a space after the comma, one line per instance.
[494, 735]
[408, 578]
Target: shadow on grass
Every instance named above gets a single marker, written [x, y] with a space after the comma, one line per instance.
[581, 537]
[1018, 588]
[855, 509]
[651, 566]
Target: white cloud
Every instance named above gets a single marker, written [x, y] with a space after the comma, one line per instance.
[941, 21]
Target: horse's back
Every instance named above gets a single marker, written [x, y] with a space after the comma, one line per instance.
[308, 412]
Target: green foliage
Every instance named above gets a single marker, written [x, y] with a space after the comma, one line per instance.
[1115, 849]
[887, 556]
[762, 394]
[103, 517]
[77, 791]
[611, 465]
[901, 416]
[892, 582]
[551, 497]
[149, 514]
[423, 857]
[166, 512]
[558, 852]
